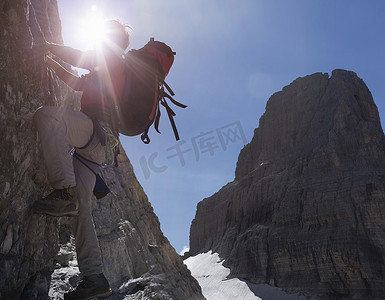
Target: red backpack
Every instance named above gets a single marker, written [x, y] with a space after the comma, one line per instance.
[144, 90]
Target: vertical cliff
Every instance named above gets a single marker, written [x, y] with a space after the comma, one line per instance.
[306, 209]
[138, 259]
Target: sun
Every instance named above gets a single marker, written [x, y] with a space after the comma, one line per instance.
[93, 31]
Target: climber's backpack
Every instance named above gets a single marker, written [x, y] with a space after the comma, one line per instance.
[144, 90]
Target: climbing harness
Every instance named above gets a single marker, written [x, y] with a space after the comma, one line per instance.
[100, 189]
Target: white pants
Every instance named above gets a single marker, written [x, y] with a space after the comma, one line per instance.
[60, 130]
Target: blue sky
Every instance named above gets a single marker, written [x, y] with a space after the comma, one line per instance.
[232, 55]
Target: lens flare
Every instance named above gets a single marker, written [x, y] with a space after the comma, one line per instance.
[93, 30]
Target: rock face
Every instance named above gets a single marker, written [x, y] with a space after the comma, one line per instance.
[306, 210]
[139, 261]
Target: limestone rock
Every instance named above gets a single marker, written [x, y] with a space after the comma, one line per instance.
[306, 209]
[133, 246]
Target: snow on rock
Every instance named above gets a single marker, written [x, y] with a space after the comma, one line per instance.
[208, 269]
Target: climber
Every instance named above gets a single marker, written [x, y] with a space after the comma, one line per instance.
[63, 132]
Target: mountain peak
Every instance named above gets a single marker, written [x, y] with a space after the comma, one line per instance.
[305, 210]
[304, 114]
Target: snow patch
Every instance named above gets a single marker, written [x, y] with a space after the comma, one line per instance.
[208, 270]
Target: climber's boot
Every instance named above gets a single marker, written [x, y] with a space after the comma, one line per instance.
[59, 203]
[92, 286]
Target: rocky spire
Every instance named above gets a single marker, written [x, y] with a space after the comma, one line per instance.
[306, 209]
[138, 259]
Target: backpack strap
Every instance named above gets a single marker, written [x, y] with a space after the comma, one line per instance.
[144, 137]
[171, 114]
[163, 94]
[168, 88]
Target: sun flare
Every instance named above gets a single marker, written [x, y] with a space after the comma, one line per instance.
[93, 31]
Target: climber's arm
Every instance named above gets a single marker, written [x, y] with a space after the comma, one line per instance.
[70, 79]
[74, 57]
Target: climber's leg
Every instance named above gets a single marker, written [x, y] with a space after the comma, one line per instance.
[60, 130]
[87, 245]
[89, 257]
